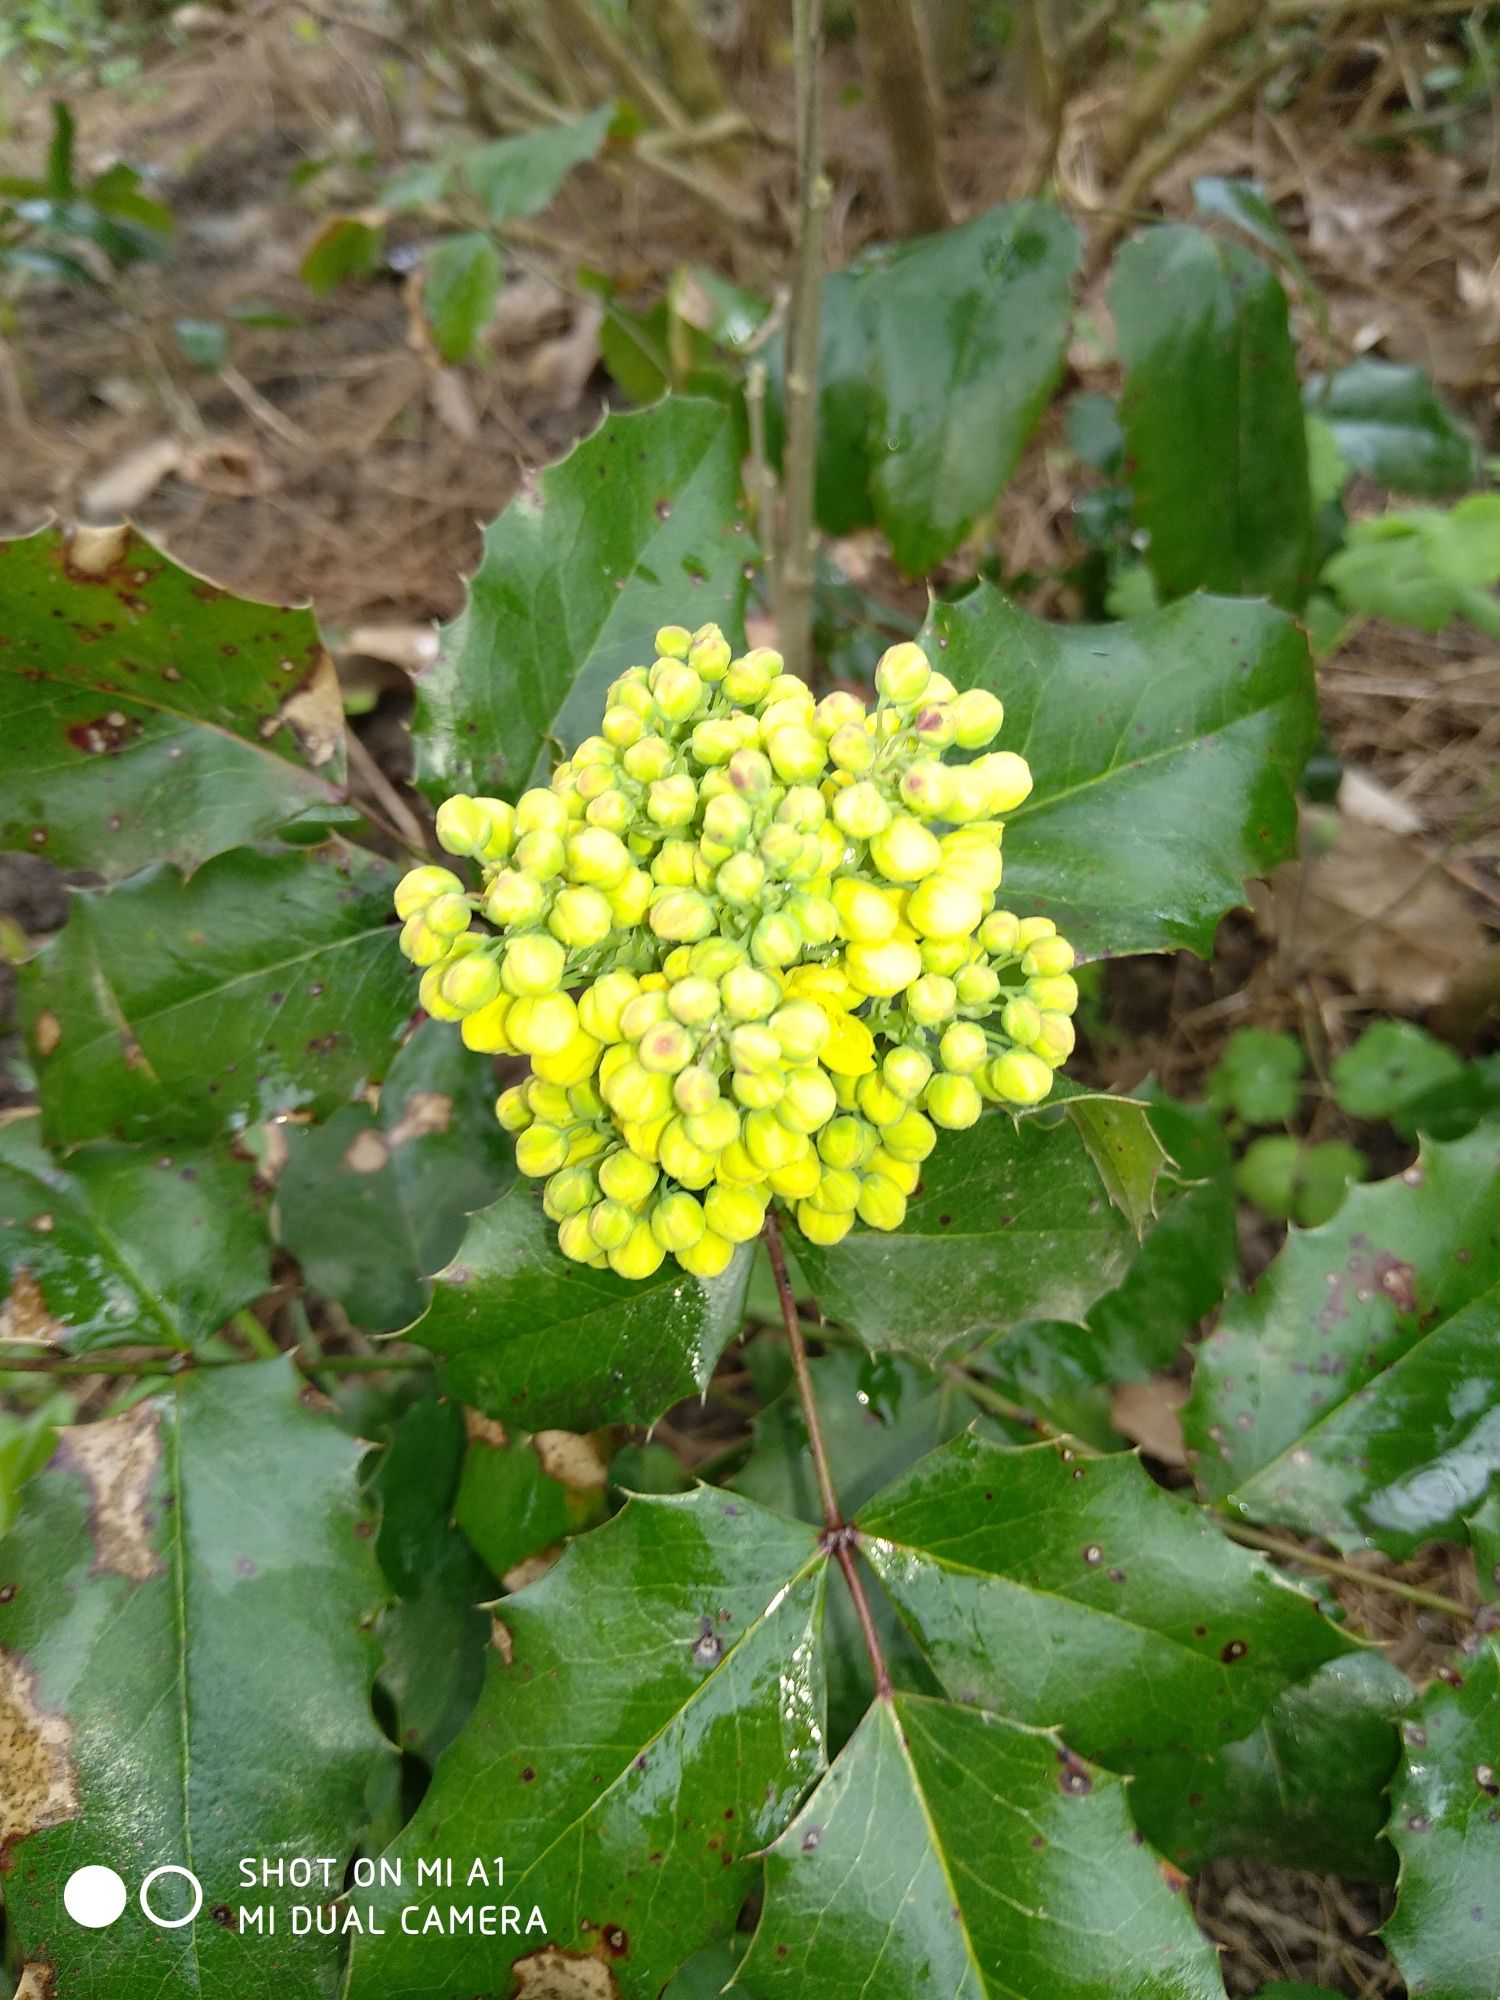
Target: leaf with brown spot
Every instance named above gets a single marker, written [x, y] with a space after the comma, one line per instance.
[124, 1243]
[140, 723]
[550, 1974]
[191, 1600]
[1353, 1394]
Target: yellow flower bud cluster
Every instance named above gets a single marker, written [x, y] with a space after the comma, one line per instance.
[749, 942]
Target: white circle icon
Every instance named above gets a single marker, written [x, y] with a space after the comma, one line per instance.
[172, 1923]
[94, 1897]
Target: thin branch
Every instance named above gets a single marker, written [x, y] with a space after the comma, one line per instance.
[1389, 1586]
[1180, 67]
[690, 62]
[186, 1364]
[403, 821]
[895, 57]
[838, 1538]
[796, 553]
[761, 480]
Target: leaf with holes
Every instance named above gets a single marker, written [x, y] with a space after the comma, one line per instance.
[1064, 1589]
[1351, 1395]
[651, 1717]
[1213, 417]
[1011, 1223]
[534, 1339]
[186, 1583]
[146, 715]
[175, 1009]
[124, 1243]
[1166, 752]
[952, 1853]
[373, 1202]
[1445, 1825]
[636, 528]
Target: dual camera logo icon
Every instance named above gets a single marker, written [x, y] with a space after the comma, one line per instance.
[96, 1897]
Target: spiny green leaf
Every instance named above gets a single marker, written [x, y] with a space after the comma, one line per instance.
[1129, 1157]
[937, 359]
[519, 1495]
[1011, 1223]
[175, 1009]
[1212, 417]
[952, 1854]
[1445, 1825]
[147, 715]
[373, 1202]
[124, 1243]
[186, 1589]
[537, 1340]
[1330, 1398]
[652, 1714]
[1053, 1586]
[1391, 424]
[636, 528]
[1304, 1790]
[1165, 752]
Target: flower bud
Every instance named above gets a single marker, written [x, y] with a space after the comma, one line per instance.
[882, 1205]
[666, 1048]
[941, 907]
[910, 1138]
[688, 1164]
[882, 970]
[861, 811]
[1021, 1021]
[906, 1070]
[648, 760]
[714, 1129]
[737, 1169]
[637, 1094]
[470, 983]
[904, 1174]
[934, 724]
[734, 1212]
[533, 964]
[681, 915]
[575, 1242]
[612, 812]
[569, 1191]
[695, 1089]
[851, 748]
[580, 918]
[676, 689]
[610, 1222]
[748, 993]
[905, 851]
[1000, 934]
[709, 1257]
[463, 825]
[836, 710]
[484, 1029]
[1019, 1077]
[902, 673]
[540, 810]
[821, 1225]
[709, 654]
[798, 1179]
[672, 642]
[741, 879]
[677, 1222]
[747, 679]
[931, 1000]
[953, 1102]
[977, 985]
[572, 1065]
[964, 1049]
[1055, 1039]
[754, 1048]
[801, 1027]
[626, 1177]
[622, 726]
[514, 898]
[750, 773]
[421, 887]
[544, 1025]
[770, 1142]
[775, 941]
[757, 1089]
[807, 1102]
[541, 1150]
[796, 754]
[1058, 995]
[866, 915]
[1006, 779]
[421, 944]
[715, 740]
[512, 1111]
[540, 854]
[837, 1192]
[1046, 958]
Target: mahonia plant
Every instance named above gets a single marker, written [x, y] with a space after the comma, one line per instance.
[750, 943]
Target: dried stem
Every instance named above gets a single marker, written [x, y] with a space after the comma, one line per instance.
[838, 1537]
[895, 56]
[691, 66]
[1179, 69]
[795, 555]
[1367, 1579]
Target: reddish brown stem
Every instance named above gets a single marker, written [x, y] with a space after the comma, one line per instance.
[839, 1538]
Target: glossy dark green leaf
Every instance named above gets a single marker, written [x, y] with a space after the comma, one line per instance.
[1244, 203]
[1306, 1789]
[1165, 752]
[433, 1637]
[1213, 417]
[460, 284]
[1484, 1537]
[1391, 424]
[1011, 1223]
[638, 527]
[173, 1009]
[650, 1718]
[520, 1495]
[937, 359]
[184, 1612]
[1060, 1588]
[373, 1202]
[124, 1243]
[1351, 1395]
[519, 176]
[534, 1339]
[1445, 1825]
[951, 1854]
[147, 715]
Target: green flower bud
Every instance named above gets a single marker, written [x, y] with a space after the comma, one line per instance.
[673, 641]
[714, 1129]
[964, 1050]
[795, 752]
[639, 1256]
[879, 1103]
[575, 1241]
[1019, 1077]
[905, 851]
[735, 1213]
[902, 673]
[533, 964]
[419, 888]
[1021, 1021]
[541, 1150]
[486, 1030]
[846, 1141]
[835, 711]
[695, 1089]
[1055, 1039]
[715, 740]
[610, 1223]
[688, 1164]
[904, 1174]
[542, 1025]
[423, 945]
[946, 956]
[882, 1205]
[612, 811]
[977, 985]
[514, 899]
[540, 853]
[1000, 934]
[754, 1048]
[861, 811]
[770, 1142]
[470, 983]
[935, 725]
[906, 1070]
[815, 917]
[580, 918]
[931, 1000]
[709, 1257]
[648, 760]
[548, 1101]
[837, 1191]
[802, 1029]
[1054, 996]
[747, 679]
[757, 1089]
[727, 818]
[910, 1138]
[1045, 959]
[672, 802]
[638, 1095]
[1006, 779]
[511, 1109]
[600, 1005]
[775, 940]
[645, 1011]
[851, 748]
[681, 915]
[750, 773]
[463, 825]
[941, 907]
[821, 1225]
[541, 810]
[694, 1001]
[677, 1222]
[626, 1177]
[953, 1102]
[926, 786]
[668, 1048]
[569, 1192]
[740, 880]
[866, 916]
[974, 859]
[597, 857]
[807, 1102]
[676, 689]
[977, 716]
[710, 653]
[622, 727]
[1031, 929]
[882, 970]
[748, 994]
